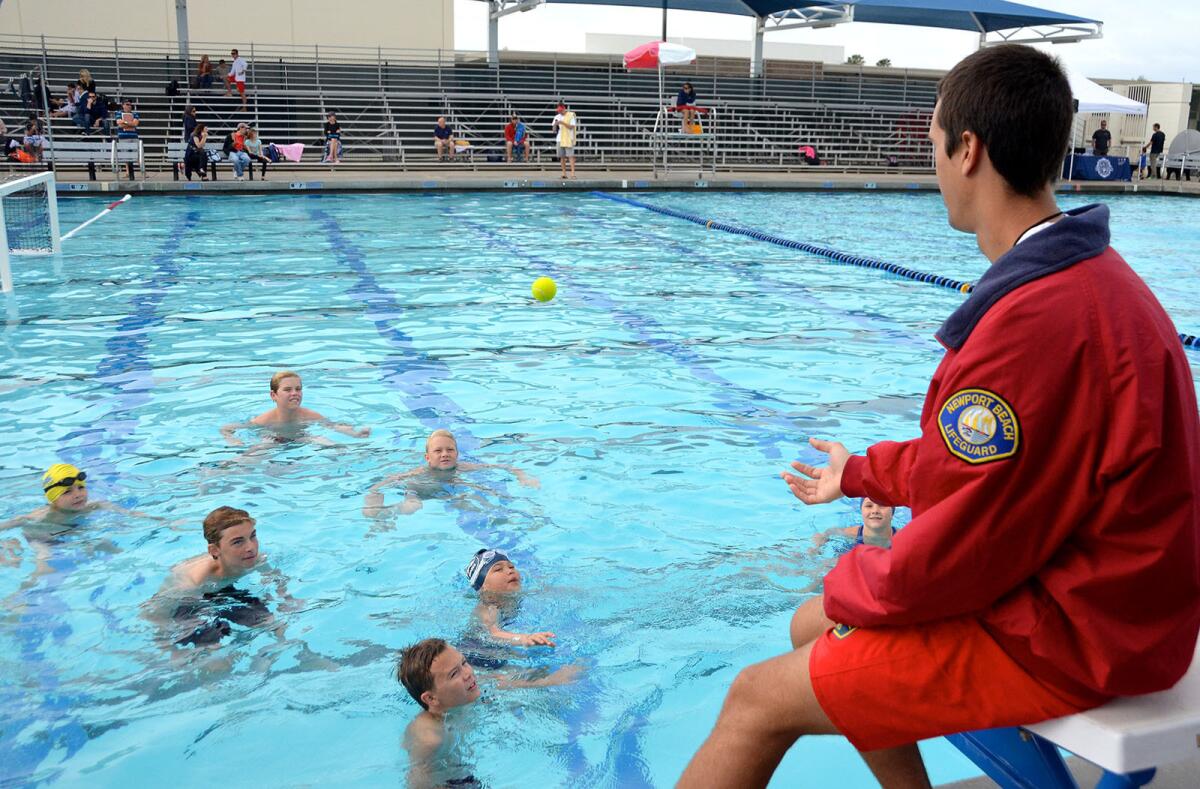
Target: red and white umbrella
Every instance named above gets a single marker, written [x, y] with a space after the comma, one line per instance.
[658, 54]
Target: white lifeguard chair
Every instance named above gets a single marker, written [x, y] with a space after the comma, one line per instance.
[1128, 738]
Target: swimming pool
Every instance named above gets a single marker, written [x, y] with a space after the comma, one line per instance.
[656, 399]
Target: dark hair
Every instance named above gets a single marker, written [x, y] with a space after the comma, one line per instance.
[200, 127]
[1017, 100]
[415, 668]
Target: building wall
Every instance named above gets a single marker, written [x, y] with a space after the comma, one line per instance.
[617, 44]
[406, 24]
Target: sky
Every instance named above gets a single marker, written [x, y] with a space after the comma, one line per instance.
[1159, 44]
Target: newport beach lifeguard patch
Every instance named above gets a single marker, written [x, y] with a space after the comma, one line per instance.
[979, 426]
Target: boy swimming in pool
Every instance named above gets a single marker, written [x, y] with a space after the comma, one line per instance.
[495, 577]
[441, 468]
[65, 489]
[199, 591]
[288, 419]
[441, 680]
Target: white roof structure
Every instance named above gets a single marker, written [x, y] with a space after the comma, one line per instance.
[1097, 98]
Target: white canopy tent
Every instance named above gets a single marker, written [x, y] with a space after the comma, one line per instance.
[1097, 98]
[1092, 97]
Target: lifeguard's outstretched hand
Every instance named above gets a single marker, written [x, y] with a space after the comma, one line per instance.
[823, 484]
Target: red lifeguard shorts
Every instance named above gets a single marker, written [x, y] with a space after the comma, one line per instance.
[883, 687]
[239, 84]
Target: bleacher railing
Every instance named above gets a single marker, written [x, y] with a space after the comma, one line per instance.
[856, 116]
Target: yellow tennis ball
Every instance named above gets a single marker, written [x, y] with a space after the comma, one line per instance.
[544, 289]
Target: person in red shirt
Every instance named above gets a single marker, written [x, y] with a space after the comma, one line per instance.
[1052, 561]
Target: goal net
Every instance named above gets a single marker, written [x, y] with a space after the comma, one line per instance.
[28, 222]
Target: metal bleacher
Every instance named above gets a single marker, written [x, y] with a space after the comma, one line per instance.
[858, 119]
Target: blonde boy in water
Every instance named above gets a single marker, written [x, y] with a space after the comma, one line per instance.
[288, 420]
[429, 481]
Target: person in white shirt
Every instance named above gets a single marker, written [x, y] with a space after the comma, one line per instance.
[237, 76]
[564, 126]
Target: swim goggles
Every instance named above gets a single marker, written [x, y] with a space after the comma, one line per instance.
[66, 482]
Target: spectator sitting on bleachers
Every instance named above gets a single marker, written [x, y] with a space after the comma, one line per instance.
[10, 144]
[333, 139]
[516, 139]
[687, 98]
[33, 143]
[86, 83]
[96, 113]
[127, 122]
[809, 154]
[235, 149]
[189, 121]
[204, 74]
[195, 158]
[443, 139]
[65, 107]
[254, 149]
[510, 137]
[222, 71]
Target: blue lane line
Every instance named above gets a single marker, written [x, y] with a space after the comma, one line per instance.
[746, 403]
[800, 293]
[1188, 340]
[125, 371]
[812, 249]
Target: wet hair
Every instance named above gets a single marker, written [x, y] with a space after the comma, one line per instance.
[863, 502]
[278, 377]
[1017, 101]
[221, 519]
[415, 670]
[439, 433]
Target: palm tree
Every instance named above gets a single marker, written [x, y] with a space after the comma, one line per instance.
[884, 63]
[856, 60]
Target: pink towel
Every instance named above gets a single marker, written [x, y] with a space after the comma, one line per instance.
[291, 152]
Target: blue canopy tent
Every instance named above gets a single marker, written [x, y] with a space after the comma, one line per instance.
[996, 21]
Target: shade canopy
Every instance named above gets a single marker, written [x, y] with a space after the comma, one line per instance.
[977, 16]
[659, 53]
[1097, 98]
[1186, 143]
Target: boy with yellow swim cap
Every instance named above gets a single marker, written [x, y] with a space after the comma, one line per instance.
[65, 489]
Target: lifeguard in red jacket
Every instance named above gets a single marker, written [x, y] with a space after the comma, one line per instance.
[1051, 562]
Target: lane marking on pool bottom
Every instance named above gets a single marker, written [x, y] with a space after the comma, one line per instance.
[125, 371]
[414, 378]
[414, 374]
[1188, 340]
[639, 325]
[626, 756]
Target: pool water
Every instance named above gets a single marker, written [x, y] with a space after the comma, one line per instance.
[655, 399]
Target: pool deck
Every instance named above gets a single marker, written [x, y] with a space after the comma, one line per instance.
[501, 178]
